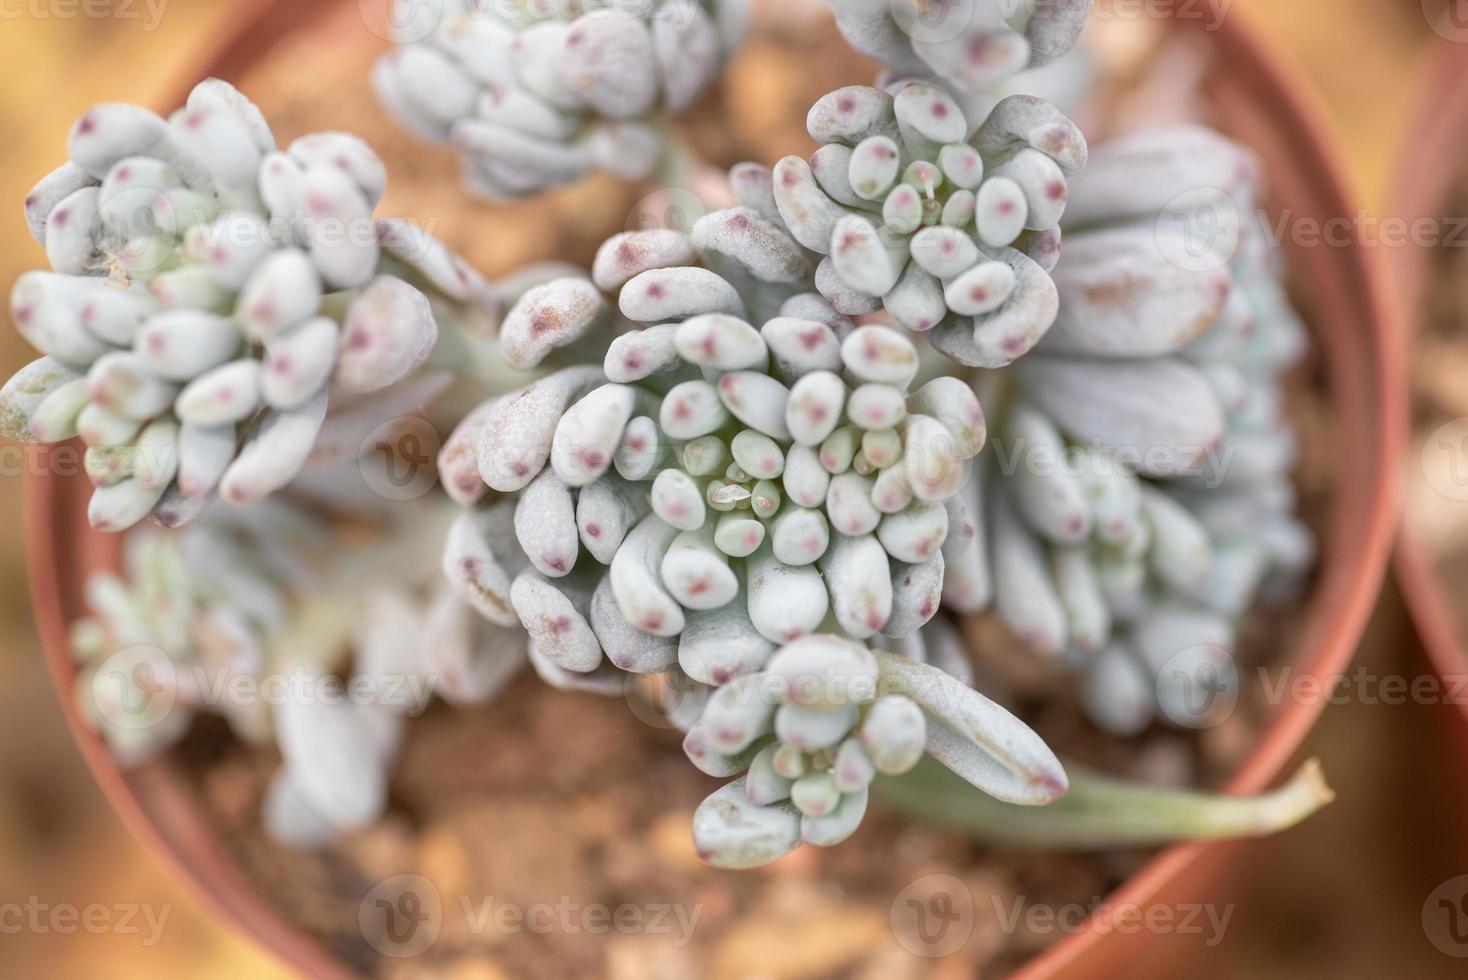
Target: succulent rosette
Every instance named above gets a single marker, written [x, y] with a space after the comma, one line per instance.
[211, 296]
[825, 717]
[538, 94]
[970, 45]
[716, 500]
[951, 230]
[1142, 496]
[710, 480]
[244, 614]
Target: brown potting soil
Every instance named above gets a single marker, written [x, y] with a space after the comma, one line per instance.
[571, 802]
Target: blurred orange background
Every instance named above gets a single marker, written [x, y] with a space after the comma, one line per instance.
[1340, 896]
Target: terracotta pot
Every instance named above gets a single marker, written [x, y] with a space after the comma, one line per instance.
[1429, 172]
[1341, 293]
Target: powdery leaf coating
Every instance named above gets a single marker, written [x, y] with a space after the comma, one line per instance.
[274, 451]
[1024, 591]
[678, 293]
[731, 832]
[555, 616]
[1142, 174]
[550, 316]
[1047, 491]
[545, 525]
[1161, 410]
[721, 644]
[624, 256]
[626, 646]
[823, 671]
[515, 440]
[999, 338]
[389, 333]
[26, 391]
[52, 189]
[636, 582]
[193, 259]
[480, 561]
[976, 738]
[1121, 296]
[752, 242]
[589, 433]
[606, 58]
[538, 101]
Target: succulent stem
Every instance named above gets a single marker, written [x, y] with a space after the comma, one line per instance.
[468, 356]
[1101, 812]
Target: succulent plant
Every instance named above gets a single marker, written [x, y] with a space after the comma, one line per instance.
[950, 230]
[244, 615]
[823, 718]
[537, 95]
[1143, 492]
[745, 460]
[730, 488]
[211, 296]
[970, 45]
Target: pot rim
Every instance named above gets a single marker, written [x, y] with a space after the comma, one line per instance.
[196, 858]
[1422, 179]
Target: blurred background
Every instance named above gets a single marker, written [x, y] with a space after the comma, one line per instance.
[1341, 896]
